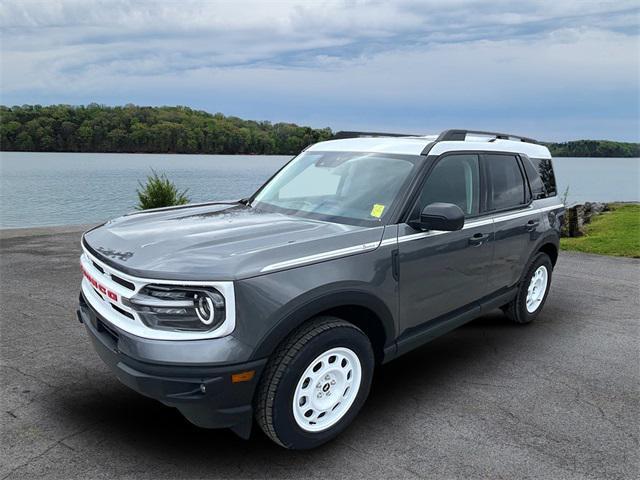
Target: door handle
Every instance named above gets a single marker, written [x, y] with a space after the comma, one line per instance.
[532, 225]
[478, 239]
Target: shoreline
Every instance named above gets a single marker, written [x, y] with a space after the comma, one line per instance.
[41, 231]
[190, 154]
[232, 154]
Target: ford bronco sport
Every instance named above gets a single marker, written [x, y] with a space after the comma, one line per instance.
[279, 306]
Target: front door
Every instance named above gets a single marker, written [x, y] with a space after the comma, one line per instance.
[443, 271]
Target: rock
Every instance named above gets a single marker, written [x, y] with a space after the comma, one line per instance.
[577, 216]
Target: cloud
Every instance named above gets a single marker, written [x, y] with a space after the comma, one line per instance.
[545, 65]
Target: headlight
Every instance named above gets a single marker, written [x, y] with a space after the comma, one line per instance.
[179, 308]
[205, 308]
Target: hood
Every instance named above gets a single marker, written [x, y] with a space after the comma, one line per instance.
[218, 242]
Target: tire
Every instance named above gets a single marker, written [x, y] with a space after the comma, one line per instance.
[527, 304]
[340, 348]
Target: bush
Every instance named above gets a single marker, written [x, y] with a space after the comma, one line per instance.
[158, 192]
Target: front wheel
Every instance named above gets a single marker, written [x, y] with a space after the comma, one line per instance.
[532, 291]
[315, 384]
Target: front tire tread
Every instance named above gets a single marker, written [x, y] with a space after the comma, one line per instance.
[279, 363]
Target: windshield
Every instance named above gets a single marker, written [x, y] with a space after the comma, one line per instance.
[337, 186]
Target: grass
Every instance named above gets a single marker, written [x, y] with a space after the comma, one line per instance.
[612, 233]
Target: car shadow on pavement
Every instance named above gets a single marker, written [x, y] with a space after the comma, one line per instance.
[447, 359]
[149, 428]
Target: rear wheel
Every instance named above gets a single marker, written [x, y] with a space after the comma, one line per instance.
[532, 291]
[315, 384]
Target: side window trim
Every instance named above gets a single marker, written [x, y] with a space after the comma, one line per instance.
[485, 186]
[412, 194]
[528, 193]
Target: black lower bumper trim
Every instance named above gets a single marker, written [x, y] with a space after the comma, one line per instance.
[205, 395]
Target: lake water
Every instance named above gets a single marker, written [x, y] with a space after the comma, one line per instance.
[38, 189]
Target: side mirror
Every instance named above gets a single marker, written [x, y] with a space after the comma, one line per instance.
[441, 216]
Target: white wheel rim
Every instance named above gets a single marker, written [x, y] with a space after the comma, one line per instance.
[537, 288]
[327, 389]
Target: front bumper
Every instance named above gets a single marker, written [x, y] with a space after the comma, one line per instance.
[204, 394]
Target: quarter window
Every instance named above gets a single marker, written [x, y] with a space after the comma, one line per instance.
[507, 182]
[545, 170]
[455, 179]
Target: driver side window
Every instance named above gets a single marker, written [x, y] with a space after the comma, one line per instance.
[455, 179]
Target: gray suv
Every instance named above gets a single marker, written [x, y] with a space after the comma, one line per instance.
[278, 307]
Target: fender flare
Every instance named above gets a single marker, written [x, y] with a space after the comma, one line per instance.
[550, 238]
[299, 311]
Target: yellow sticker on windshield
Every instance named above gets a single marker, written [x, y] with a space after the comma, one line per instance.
[377, 210]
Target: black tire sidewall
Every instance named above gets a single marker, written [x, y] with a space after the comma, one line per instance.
[541, 259]
[284, 423]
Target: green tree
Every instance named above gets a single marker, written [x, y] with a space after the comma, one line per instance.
[132, 128]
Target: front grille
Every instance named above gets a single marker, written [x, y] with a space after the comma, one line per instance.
[103, 293]
[123, 282]
[122, 312]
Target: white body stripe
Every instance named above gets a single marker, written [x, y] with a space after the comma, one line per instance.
[367, 247]
[342, 252]
[480, 222]
[389, 241]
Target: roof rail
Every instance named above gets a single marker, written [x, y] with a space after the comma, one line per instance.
[347, 134]
[461, 135]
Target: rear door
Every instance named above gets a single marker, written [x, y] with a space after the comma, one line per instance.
[443, 271]
[516, 223]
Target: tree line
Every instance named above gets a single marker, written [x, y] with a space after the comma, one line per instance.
[135, 129]
[594, 148]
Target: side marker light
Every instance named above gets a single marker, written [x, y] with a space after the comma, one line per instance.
[243, 376]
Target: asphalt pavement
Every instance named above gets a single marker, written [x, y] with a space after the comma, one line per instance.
[556, 399]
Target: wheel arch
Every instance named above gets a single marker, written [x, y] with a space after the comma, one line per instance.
[363, 309]
[551, 249]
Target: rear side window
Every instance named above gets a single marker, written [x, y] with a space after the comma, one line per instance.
[507, 187]
[545, 170]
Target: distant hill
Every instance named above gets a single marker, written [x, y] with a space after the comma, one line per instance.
[135, 129]
[594, 148]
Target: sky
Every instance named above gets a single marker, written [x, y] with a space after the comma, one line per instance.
[554, 70]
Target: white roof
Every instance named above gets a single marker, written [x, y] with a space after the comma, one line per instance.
[416, 145]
